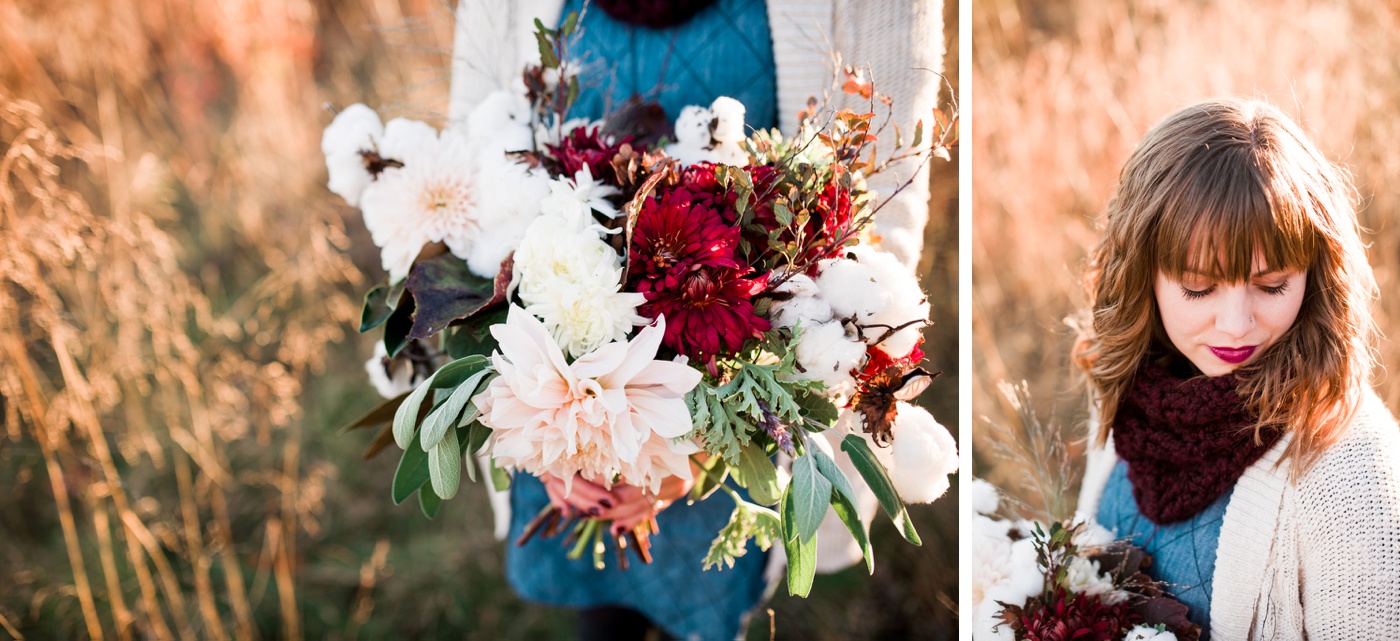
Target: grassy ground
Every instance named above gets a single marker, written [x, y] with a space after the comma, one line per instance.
[1064, 90]
[177, 289]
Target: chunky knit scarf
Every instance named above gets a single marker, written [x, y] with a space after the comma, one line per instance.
[1186, 441]
[656, 14]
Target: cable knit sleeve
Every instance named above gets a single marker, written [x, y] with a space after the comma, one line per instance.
[902, 45]
[1349, 533]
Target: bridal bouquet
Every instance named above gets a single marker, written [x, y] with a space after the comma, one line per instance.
[1069, 579]
[595, 298]
[1038, 583]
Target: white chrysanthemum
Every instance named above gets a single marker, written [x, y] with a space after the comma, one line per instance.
[876, 290]
[806, 305]
[432, 198]
[398, 378]
[982, 497]
[579, 196]
[584, 315]
[826, 354]
[555, 249]
[501, 122]
[920, 456]
[1082, 576]
[353, 130]
[1149, 633]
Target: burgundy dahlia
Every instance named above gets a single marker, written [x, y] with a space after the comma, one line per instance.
[682, 257]
[584, 146]
[1075, 617]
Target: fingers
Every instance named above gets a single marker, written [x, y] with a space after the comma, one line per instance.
[582, 497]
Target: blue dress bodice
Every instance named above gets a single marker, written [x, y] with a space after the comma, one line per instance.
[726, 49]
[1183, 553]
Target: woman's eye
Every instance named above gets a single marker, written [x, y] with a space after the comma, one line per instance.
[1275, 290]
[1192, 294]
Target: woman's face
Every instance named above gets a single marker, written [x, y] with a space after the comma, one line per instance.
[1220, 326]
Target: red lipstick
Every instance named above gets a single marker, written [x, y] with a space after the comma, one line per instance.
[1233, 355]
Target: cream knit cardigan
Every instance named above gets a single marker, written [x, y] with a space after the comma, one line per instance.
[1318, 559]
[900, 41]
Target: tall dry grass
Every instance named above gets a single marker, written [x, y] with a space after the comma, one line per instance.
[176, 292]
[1064, 90]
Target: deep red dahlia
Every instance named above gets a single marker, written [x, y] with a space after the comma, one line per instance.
[1075, 617]
[584, 146]
[682, 257]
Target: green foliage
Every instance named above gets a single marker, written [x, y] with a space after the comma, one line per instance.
[801, 553]
[727, 416]
[811, 494]
[473, 336]
[756, 473]
[878, 479]
[747, 521]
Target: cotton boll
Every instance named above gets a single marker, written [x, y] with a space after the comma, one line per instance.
[805, 306]
[1093, 535]
[502, 122]
[404, 140]
[922, 455]
[353, 130]
[398, 380]
[894, 300]
[493, 244]
[828, 356]
[983, 497]
[693, 127]
[1147, 633]
[850, 288]
[729, 154]
[728, 125]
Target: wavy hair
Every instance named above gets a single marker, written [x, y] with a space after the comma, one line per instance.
[1207, 190]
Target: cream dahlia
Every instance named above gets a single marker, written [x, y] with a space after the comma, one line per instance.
[596, 416]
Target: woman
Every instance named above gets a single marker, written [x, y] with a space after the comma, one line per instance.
[771, 57]
[1228, 347]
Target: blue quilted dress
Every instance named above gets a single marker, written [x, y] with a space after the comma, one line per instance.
[726, 49]
[1183, 553]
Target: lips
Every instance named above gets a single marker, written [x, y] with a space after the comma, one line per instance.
[1233, 355]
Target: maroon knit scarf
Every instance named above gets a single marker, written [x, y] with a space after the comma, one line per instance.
[1186, 441]
[656, 14]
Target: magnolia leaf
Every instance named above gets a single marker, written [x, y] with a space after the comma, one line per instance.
[381, 414]
[845, 509]
[398, 327]
[801, 555]
[429, 502]
[445, 291]
[811, 494]
[445, 465]
[473, 337]
[878, 479]
[757, 474]
[376, 309]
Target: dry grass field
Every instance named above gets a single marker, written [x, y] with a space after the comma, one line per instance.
[177, 293]
[1064, 90]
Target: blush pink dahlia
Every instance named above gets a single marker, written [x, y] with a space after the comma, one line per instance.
[683, 259]
[613, 414]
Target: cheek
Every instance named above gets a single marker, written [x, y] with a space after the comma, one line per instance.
[1280, 312]
[1180, 318]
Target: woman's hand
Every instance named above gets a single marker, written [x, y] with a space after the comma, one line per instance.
[636, 506]
[584, 498]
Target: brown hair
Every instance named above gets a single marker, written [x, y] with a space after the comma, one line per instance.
[1209, 188]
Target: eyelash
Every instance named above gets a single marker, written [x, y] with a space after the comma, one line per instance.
[1193, 294]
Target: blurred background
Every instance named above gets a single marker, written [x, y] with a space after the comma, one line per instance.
[1065, 89]
[178, 292]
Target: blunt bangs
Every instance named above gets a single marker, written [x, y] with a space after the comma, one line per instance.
[1223, 209]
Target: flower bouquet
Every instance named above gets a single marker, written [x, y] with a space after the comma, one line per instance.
[601, 299]
[1069, 579]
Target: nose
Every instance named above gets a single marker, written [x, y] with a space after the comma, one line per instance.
[1235, 317]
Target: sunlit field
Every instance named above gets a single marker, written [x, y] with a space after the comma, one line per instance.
[178, 297]
[1064, 90]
